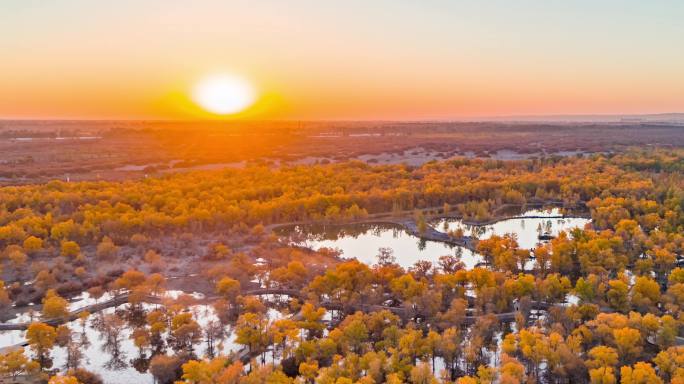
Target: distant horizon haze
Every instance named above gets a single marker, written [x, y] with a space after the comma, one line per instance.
[673, 117]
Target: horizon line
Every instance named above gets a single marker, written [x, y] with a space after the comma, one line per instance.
[500, 118]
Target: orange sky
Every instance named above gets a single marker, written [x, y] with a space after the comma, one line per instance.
[342, 60]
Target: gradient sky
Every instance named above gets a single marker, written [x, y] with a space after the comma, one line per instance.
[353, 59]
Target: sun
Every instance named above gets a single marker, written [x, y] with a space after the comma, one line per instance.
[223, 94]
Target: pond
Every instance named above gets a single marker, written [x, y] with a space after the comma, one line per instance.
[527, 227]
[363, 241]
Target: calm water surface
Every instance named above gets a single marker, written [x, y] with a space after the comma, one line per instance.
[526, 229]
[363, 241]
[120, 369]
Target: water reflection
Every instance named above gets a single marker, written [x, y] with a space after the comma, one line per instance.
[527, 229]
[364, 242]
[102, 343]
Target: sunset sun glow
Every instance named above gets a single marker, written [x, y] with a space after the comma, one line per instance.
[224, 94]
[352, 60]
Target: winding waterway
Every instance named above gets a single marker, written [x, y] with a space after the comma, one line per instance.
[125, 364]
[361, 241]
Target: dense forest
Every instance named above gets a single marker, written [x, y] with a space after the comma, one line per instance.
[600, 304]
